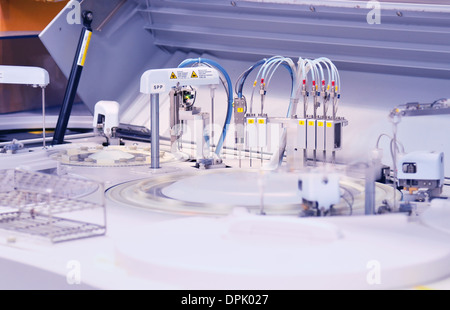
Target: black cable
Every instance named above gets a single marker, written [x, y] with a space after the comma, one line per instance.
[349, 205]
[350, 193]
[437, 101]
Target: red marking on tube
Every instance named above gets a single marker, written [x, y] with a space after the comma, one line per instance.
[332, 83]
[262, 81]
[304, 82]
[314, 83]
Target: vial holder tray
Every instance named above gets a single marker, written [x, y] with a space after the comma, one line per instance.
[59, 208]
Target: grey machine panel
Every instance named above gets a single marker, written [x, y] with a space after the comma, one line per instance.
[131, 36]
[119, 52]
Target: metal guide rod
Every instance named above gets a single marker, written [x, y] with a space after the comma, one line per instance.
[154, 115]
[324, 103]
[315, 117]
[369, 189]
[211, 128]
[43, 118]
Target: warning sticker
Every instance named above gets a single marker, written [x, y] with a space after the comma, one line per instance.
[84, 48]
[185, 74]
[204, 73]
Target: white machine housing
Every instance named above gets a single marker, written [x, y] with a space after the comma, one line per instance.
[421, 169]
[110, 111]
[24, 75]
[320, 189]
[161, 80]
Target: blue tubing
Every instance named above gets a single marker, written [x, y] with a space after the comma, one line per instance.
[192, 61]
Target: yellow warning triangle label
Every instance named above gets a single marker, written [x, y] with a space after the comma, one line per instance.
[172, 76]
[194, 75]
